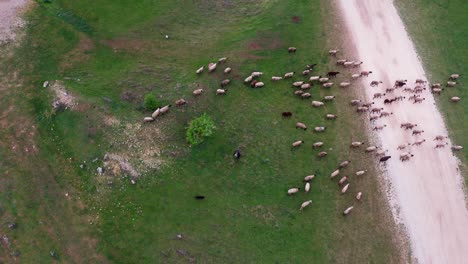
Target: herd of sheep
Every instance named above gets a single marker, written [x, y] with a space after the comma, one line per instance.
[389, 96]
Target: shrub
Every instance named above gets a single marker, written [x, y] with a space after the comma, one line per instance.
[150, 102]
[200, 128]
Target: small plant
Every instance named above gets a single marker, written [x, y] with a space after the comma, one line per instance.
[200, 128]
[151, 103]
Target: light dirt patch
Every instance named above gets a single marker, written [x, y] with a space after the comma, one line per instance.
[62, 98]
[128, 45]
[9, 19]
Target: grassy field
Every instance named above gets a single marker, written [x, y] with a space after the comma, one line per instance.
[109, 55]
[440, 32]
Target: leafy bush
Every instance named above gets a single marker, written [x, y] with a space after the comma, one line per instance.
[200, 128]
[151, 103]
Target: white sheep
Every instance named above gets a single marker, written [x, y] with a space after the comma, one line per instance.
[212, 67]
[319, 129]
[165, 109]
[457, 147]
[256, 74]
[344, 164]
[305, 204]
[301, 125]
[342, 180]
[298, 92]
[259, 84]
[297, 143]
[455, 99]
[297, 84]
[357, 63]
[345, 84]
[221, 91]
[198, 92]
[227, 70]
[322, 154]
[361, 172]
[335, 173]
[454, 76]
[307, 187]
[200, 70]
[314, 78]
[340, 62]
[356, 144]
[329, 97]
[148, 119]
[355, 102]
[355, 76]
[323, 79]
[317, 144]
[345, 188]
[156, 113]
[248, 79]
[305, 72]
[317, 103]
[289, 75]
[451, 84]
[330, 116]
[348, 63]
[333, 52]
[276, 78]
[359, 196]
[305, 86]
[348, 210]
[309, 177]
[306, 95]
[371, 149]
[327, 85]
[293, 191]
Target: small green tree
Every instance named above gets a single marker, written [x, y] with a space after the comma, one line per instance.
[200, 128]
[151, 103]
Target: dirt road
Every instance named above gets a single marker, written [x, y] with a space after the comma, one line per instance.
[428, 188]
[9, 18]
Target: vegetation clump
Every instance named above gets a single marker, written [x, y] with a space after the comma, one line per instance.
[200, 128]
[151, 103]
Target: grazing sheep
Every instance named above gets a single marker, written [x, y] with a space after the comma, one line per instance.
[371, 149]
[342, 180]
[298, 84]
[328, 98]
[402, 146]
[148, 119]
[305, 95]
[293, 191]
[301, 126]
[420, 81]
[227, 70]
[298, 92]
[362, 109]
[345, 84]
[333, 52]
[212, 67]
[156, 113]
[292, 50]
[457, 147]
[384, 159]
[309, 177]
[378, 95]
[406, 89]
[441, 145]
[305, 72]
[355, 102]
[359, 196]
[197, 92]
[348, 210]
[383, 113]
[365, 73]
[417, 132]
[237, 154]
[225, 83]
[276, 78]
[314, 78]
[200, 70]
[451, 84]
[357, 64]
[286, 114]
[259, 84]
[340, 62]
[165, 109]
[454, 76]
[344, 164]
[379, 127]
[374, 117]
[317, 103]
[222, 60]
[297, 143]
[390, 90]
[256, 74]
[356, 144]
[221, 92]
[327, 85]
[289, 75]
[400, 83]
[455, 99]
[436, 85]
[319, 129]
[317, 144]
[419, 142]
[332, 73]
[322, 154]
[331, 116]
[324, 79]
[307, 187]
[345, 189]
[418, 100]
[348, 63]
[305, 86]
[361, 172]
[367, 104]
[376, 110]
[248, 79]
[375, 83]
[180, 102]
[439, 137]
[305, 204]
[335, 173]
[380, 152]
[437, 90]
[355, 76]
[405, 156]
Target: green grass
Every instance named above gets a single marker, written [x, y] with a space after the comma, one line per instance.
[439, 30]
[246, 216]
